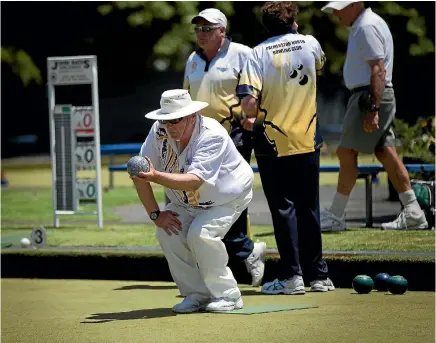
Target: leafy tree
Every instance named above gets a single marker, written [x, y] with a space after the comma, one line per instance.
[418, 140]
[174, 46]
[21, 64]
[310, 11]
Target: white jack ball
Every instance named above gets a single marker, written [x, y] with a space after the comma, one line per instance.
[25, 242]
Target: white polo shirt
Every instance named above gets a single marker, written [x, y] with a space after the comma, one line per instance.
[215, 81]
[210, 154]
[369, 39]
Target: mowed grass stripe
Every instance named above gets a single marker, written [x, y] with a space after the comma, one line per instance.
[119, 235]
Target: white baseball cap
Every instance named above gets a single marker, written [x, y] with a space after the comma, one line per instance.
[336, 5]
[174, 104]
[212, 15]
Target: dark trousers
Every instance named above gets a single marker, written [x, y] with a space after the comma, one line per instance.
[239, 246]
[291, 187]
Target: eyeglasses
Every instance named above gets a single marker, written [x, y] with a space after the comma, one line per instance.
[171, 121]
[206, 28]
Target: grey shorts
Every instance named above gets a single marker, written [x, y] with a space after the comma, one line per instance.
[354, 137]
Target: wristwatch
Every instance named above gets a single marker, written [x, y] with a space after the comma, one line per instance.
[154, 215]
[374, 108]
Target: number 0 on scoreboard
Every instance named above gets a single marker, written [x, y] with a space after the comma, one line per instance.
[87, 189]
[83, 122]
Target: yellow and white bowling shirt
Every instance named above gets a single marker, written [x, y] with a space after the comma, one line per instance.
[281, 73]
[215, 82]
[210, 154]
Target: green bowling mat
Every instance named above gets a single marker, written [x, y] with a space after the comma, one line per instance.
[267, 308]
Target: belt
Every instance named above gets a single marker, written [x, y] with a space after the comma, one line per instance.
[362, 89]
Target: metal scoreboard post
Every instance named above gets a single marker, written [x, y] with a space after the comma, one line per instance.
[74, 138]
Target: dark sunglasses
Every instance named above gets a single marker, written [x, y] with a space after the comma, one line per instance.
[206, 28]
[171, 121]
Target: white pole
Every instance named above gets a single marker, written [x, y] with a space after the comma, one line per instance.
[95, 104]
[51, 108]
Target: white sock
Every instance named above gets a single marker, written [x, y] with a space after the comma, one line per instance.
[338, 204]
[408, 199]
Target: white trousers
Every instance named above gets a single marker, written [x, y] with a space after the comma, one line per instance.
[197, 257]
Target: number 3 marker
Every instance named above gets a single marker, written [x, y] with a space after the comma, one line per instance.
[39, 237]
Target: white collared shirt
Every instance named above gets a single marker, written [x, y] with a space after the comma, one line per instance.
[369, 39]
[215, 82]
[210, 154]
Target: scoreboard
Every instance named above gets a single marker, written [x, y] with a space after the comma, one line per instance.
[75, 139]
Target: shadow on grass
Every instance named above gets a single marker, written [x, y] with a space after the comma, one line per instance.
[250, 292]
[147, 287]
[98, 318]
[265, 234]
[244, 293]
[376, 219]
[374, 291]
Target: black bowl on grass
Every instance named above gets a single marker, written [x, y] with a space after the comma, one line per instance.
[363, 284]
[397, 284]
[381, 281]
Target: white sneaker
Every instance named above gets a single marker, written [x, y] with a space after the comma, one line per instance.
[255, 263]
[407, 220]
[322, 285]
[192, 303]
[330, 222]
[224, 304]
[292, 286]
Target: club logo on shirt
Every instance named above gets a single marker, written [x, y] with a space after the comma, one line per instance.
[164, 149]
[193, 67]
[161, 133]
[297, 74]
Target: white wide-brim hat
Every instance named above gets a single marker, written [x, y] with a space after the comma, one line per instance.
[336, 5]
[174, 104]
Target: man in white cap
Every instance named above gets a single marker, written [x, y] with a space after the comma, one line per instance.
[212, 74]
[209, 185]
[370, 113]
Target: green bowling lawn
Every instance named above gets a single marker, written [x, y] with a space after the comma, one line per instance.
[128, 235]
[73, 311]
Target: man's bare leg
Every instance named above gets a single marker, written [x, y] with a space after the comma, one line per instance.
[346, 180]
